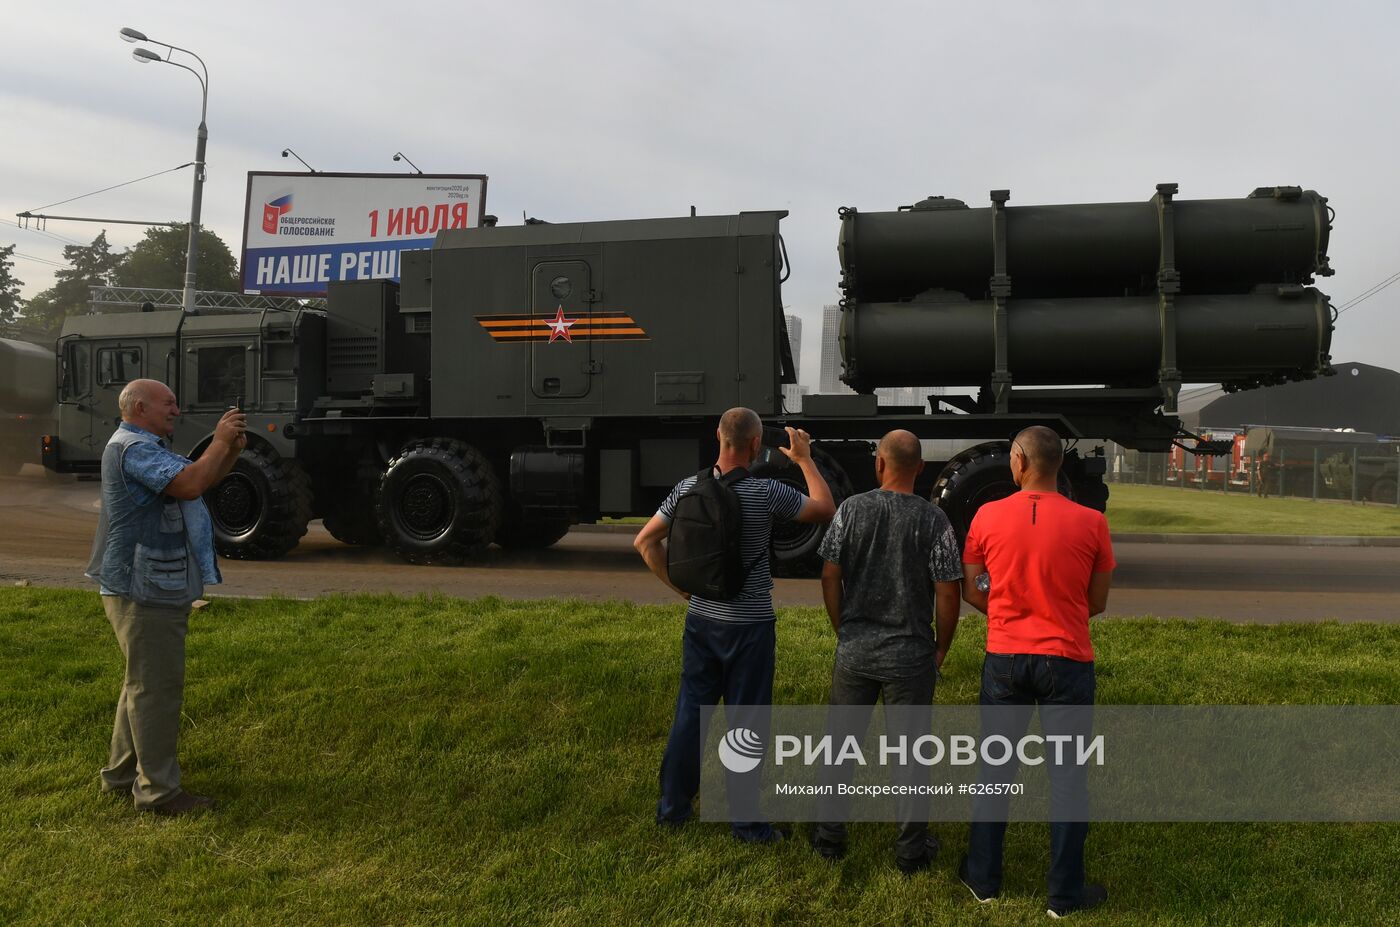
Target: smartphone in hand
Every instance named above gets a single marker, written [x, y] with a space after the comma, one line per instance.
[774, 437]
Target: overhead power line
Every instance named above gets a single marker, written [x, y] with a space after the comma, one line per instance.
[113, 187]
[37, 260]
[1372, 291]
[51, 235]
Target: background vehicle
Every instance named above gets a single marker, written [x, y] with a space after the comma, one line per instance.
[1324, 462]
[522, 379]
[26, 402]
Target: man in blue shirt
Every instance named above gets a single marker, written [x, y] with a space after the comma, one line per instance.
[728, 645]
[153, 555]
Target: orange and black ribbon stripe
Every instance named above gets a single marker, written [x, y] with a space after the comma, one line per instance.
[587, 326]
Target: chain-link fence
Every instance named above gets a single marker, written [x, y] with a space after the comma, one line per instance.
[1363, 475]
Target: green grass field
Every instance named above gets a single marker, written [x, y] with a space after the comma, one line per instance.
[1169, 510]
[438, 761]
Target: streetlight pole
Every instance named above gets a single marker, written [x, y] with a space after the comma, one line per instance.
[144, 56]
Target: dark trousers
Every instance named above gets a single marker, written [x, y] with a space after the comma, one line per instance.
[1028, 680]
[853, 689]
[719, 660]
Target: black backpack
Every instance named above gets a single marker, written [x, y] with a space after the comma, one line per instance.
[704, 553]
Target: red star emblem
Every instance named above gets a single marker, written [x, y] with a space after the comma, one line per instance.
[559, 328]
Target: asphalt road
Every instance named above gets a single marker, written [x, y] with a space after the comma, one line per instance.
[46, 527]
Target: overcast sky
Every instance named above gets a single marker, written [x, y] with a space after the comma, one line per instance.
[597, 110]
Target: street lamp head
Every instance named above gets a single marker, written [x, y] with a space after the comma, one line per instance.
[286, 151]
[145, 55]
[133, 35]
[400, 156]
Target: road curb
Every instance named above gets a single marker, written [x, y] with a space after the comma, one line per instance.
[606, 529]
[1271, 540]
[1274, 540]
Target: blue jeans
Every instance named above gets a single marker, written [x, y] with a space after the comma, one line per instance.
[1029, 680]
[719, 660]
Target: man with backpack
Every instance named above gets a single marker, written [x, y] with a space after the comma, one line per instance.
[728, 645]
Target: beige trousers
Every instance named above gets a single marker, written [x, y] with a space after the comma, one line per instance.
[147, 726]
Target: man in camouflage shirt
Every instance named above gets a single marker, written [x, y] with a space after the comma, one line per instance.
[892, 562]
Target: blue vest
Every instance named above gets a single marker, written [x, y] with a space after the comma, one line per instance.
[143, 552]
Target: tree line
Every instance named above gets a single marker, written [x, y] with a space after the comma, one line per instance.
[157, 261]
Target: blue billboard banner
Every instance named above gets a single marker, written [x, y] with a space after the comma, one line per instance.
[306, 270]
[303, 232]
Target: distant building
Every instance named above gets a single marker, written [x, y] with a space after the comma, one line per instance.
[830, 381]
[905, 395]
[1360, 396]
[794, 330]
[792, 397]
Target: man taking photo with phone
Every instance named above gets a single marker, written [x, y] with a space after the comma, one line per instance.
[152, 556]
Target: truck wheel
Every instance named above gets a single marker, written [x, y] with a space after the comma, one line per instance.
[793, 550]
[349, 516]
[976, 476]
[439, 502]
[521, 533]
[261, 508]
[1383, 491]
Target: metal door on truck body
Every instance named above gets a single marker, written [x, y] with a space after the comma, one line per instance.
[561, 347]
[218, 371]
[93, 374]
[78, 434]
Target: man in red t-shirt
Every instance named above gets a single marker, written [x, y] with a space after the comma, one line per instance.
[1039, 565]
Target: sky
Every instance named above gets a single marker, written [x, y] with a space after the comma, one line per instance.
[602, 110]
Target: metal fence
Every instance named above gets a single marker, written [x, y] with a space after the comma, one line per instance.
[1363, 476]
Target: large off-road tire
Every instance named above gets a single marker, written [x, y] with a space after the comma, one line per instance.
[261, 508]
[439, 502]
[976, 476]
[349, 512]
[521, 532]
[793, 549]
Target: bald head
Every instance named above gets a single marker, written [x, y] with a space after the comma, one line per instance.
[1042, 448]
[738, 427]
[901, 451]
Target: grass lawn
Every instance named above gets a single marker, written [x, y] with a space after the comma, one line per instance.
[437, 761]
[1168, 510]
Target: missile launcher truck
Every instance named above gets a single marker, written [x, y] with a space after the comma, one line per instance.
[519, 380]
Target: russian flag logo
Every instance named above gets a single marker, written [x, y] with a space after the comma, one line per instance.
[274, 210]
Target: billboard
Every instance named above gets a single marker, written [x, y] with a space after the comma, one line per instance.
[302, 231]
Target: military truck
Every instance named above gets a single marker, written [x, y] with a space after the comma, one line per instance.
[26, 402]
[518, 380]
[1326, 462]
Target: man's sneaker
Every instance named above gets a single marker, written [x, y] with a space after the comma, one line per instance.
[771, 835]
[1091, 897]
[184, 803]
[978, 895]
[910, 865]
[832, 851]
